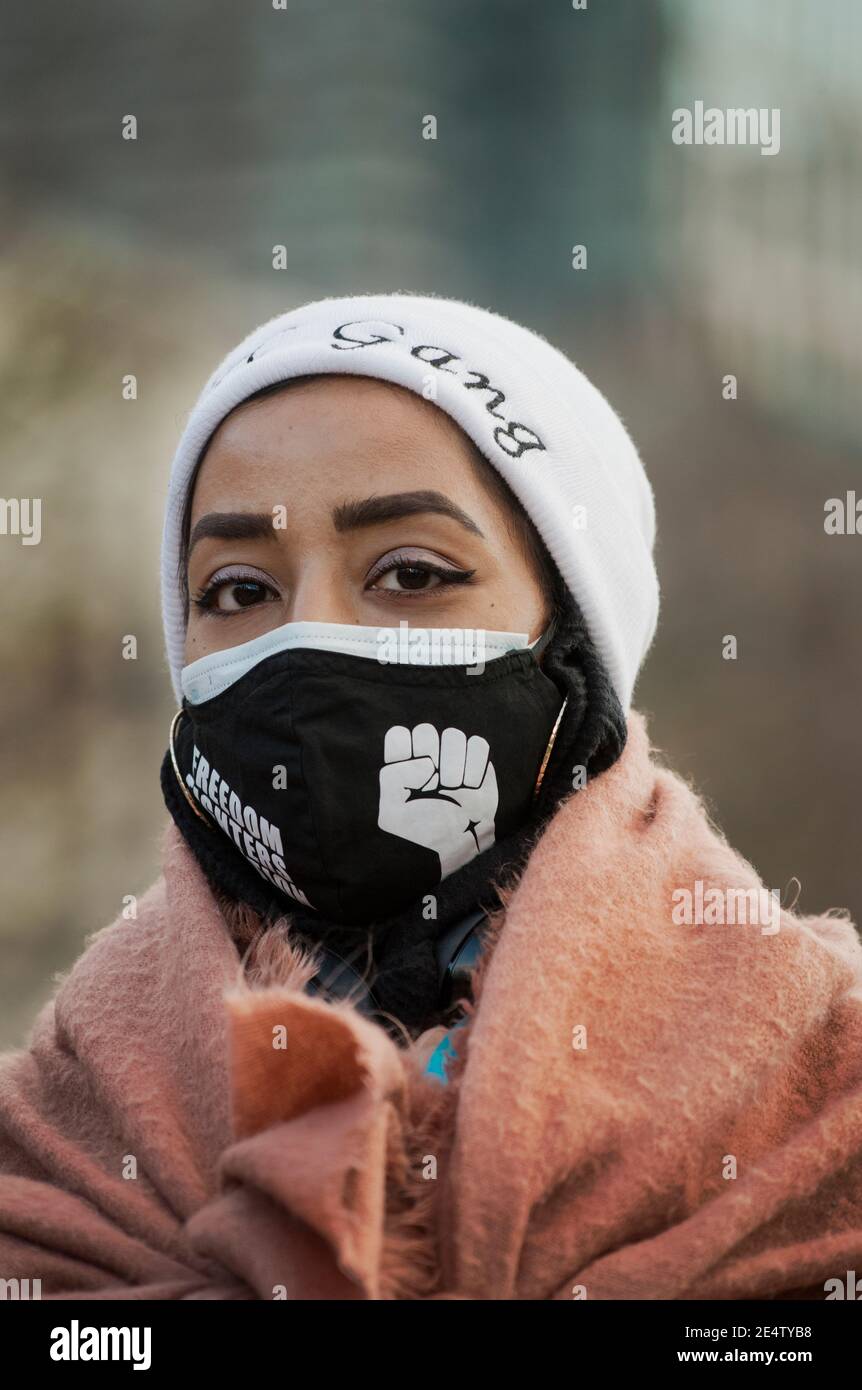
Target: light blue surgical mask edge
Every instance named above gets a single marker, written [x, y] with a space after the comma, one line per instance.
[214, 673]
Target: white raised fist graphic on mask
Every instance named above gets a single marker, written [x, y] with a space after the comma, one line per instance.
[438, 790]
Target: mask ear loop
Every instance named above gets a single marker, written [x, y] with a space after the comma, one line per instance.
[541, 642]
[183, 788]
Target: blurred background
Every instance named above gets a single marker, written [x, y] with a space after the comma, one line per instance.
[302, 127]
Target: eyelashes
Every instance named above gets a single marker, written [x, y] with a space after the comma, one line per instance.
[249, 590]
[238, 580]
[407, 564]
[208, 597]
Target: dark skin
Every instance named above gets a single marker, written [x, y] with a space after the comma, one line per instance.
[384, 519]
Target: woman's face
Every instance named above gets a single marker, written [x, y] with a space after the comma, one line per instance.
[349, 500]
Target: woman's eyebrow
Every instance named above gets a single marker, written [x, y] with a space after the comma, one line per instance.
[371, 510]
[232, 526]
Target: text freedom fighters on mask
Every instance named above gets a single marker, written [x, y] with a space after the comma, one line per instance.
[255, 837]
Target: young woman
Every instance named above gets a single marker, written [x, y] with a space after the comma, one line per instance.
[446, 990]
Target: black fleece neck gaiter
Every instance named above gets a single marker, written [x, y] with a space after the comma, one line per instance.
[396, 948]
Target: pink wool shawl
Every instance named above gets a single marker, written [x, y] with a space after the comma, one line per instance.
[637, 1109]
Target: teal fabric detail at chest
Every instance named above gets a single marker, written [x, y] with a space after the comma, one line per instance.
[443, 1053]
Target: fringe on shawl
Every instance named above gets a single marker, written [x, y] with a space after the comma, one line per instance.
[409, 1262]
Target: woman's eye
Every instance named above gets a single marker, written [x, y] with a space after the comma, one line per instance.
[409, 577]
[231, 595]
[404, 573]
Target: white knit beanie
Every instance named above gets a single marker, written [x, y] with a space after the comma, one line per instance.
[558, 444]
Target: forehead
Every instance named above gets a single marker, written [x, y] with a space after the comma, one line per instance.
[331, 432]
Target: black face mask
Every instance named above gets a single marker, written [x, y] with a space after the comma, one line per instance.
[354, 785]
